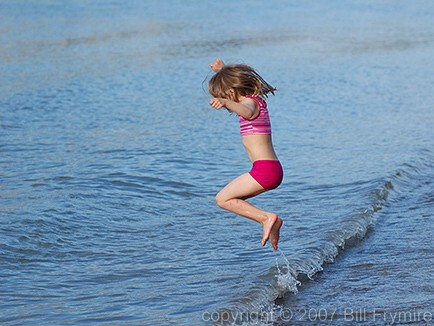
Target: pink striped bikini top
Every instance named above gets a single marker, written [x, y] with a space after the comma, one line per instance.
[257, 126]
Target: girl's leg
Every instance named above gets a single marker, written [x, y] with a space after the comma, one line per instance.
[232, 198]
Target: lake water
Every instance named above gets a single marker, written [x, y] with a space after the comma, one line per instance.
[111, 158]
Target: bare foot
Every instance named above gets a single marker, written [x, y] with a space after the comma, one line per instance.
[275, 233]
[267, 227]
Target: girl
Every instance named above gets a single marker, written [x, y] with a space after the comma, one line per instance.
[241, 90]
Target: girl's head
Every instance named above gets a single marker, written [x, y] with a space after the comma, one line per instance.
[234, 81]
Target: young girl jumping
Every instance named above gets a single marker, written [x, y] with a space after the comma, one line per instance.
[241, 90]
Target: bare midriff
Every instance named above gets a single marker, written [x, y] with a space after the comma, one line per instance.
[259, 147]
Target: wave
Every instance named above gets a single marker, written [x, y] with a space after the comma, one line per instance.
[259, 306]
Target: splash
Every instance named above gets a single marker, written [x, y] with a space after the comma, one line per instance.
[286, 276]
[261, 305]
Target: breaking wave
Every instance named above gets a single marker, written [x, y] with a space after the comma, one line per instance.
[259, 305]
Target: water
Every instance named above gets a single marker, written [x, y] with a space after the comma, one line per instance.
[111, 157]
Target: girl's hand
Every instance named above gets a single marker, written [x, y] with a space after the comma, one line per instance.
[217, 103]
[217, 65]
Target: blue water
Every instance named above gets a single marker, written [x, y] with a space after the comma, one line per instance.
[111, 158]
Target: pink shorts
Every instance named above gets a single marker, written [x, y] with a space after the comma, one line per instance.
[268, 173]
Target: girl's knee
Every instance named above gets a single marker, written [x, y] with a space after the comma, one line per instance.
[220, 200]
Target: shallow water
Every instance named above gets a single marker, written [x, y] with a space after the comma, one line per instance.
[111, 157]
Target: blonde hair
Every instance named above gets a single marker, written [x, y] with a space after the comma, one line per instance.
[236, 80]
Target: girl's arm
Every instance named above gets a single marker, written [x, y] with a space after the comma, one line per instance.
[247, 108]
[217, 65]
